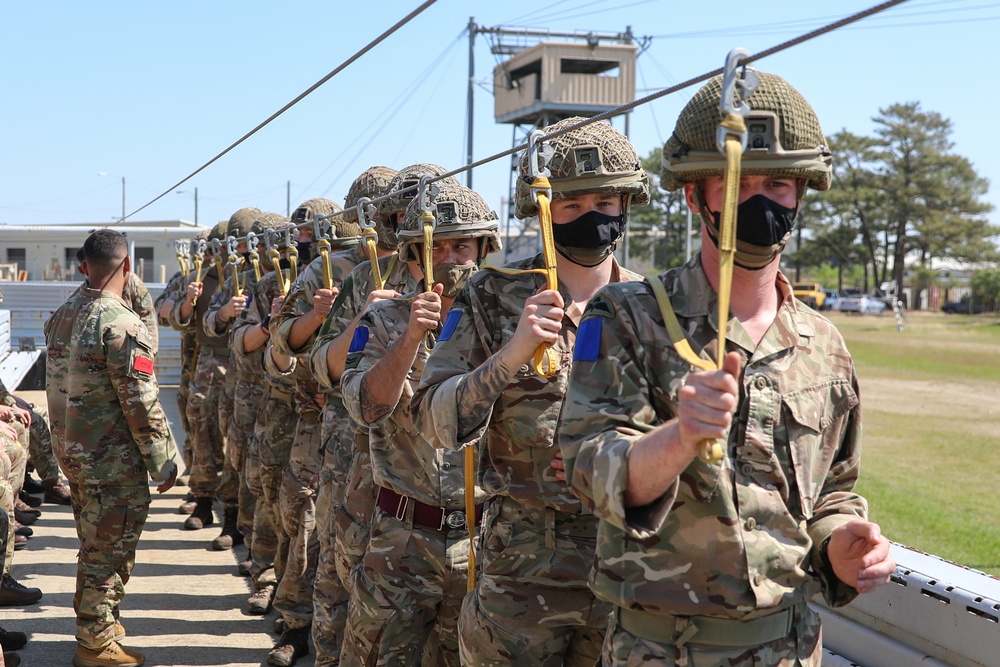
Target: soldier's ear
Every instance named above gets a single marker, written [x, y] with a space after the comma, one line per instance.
[127, 265]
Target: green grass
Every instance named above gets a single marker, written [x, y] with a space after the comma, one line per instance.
[931, 420]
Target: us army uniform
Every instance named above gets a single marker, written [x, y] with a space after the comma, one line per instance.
[531, 599]
[206, 435]
[247, 386]
[114, 438]
[7, 495]
[294, 598]
[415, 571]
[270, 446]
[37, 440]
[734, 540]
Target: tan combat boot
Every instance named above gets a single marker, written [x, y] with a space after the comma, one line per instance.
[112, 655]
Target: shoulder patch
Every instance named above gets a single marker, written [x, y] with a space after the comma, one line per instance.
[359, 341]
[588, 340]
[142, 364]
[450, 324]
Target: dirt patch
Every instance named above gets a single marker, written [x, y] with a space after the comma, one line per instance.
[978, 403]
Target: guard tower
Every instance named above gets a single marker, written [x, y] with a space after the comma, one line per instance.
[545, 81]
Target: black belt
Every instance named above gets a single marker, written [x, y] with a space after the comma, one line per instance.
[428, 516]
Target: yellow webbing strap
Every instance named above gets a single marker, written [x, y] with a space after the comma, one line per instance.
[198, 261]
[427, 218]
[255, 262]
[324, 253]
[293, 268]
[545, 361]
[674, 331]
[234, 264]
[371, 238]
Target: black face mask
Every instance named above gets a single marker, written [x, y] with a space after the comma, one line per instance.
[589, 239]
[763, 227]
[303, 248]
[284, 264]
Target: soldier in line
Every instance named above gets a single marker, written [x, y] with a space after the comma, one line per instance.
[354, 489]
[114, 438]
[415, 572]
[240, 379]
[39, 448]
[273, 431]
[203, 408]
[712, 563]
[293, 329]
[175, 289]
[11, 641]
[329, 593]
[531, 605]
[13, 430]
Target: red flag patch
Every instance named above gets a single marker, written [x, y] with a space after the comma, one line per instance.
[143, 364]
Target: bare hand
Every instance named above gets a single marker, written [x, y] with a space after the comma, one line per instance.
[323, 301]
[706, 402]
[378, 295]
[276, 305]
[8, 430]
[541, 322]
[233, 309]
[559, 466]
[859, 555]
[425, 313]
[194, 291]
[22, 415]
[169, 483]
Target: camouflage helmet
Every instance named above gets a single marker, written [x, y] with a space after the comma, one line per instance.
[268, 221]
[219, 231]
[241, 221]
[397, 202]
[784, 137]
[459, 213]
[203, 234]
[592, 158]
[373, 182]
[307, 211]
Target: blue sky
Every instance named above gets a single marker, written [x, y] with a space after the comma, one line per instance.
[150, 91]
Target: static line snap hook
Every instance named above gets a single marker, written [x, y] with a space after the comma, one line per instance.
[232, 249]
[366, 213]
[252, 241]
[539, 155]
[427, 192]
[322, 228]
[736, 89]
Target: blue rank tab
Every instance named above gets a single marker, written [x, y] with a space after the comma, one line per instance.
[450, 324]
[359, 341]
[588, 340]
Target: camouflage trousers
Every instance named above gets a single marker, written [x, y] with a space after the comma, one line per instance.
[40, 446]
[17, 456]
[206, 437]
[532, 605]
[352, 518]
[297, 505]
[183, 391]
[6, 509]
[329, 595]
[803, 648]
[274, 434]
[109, 521]
[407, 594]
[239, 433]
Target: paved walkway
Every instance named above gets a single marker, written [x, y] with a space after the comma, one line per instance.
[184, 606]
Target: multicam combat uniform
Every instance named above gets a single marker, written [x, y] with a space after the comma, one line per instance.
[175, 290]
[531, 601]
[294, 598]
[737, 540]
[206, 435]
[38, 440]
[114, 437]
[415, 571]
[346, 489]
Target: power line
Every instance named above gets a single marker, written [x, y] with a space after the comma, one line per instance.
[399, 24]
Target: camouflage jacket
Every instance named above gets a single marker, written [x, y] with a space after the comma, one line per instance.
[175, 286]
[244, 365]
[137, 297]
[735, 539]
[298, 303]
[264, 293]
[353, 294]
[402, 459]
[210, 282]
[516, 440]
[103, 394]
[6, 398]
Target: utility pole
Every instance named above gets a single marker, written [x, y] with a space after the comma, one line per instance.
[288, 198]
[196, 206]
[123, 199]
[469, 100]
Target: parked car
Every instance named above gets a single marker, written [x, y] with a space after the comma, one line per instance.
[832, 300]
[963, 307]
[811, 294]
[863, 304]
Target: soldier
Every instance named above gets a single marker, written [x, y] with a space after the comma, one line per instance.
[241, 379]
[415, 571]
[531, 605]
[712, 563]
[337, 437]
[114, 438]
[177, 289]
[207, 385]
[14, 456]
[354, 488]
[293, 328]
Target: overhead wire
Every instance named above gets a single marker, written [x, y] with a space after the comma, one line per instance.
[368, 47]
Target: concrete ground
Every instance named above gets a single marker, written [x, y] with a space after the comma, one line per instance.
[184, 605]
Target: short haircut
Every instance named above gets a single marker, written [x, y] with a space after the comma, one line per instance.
[105, 247]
